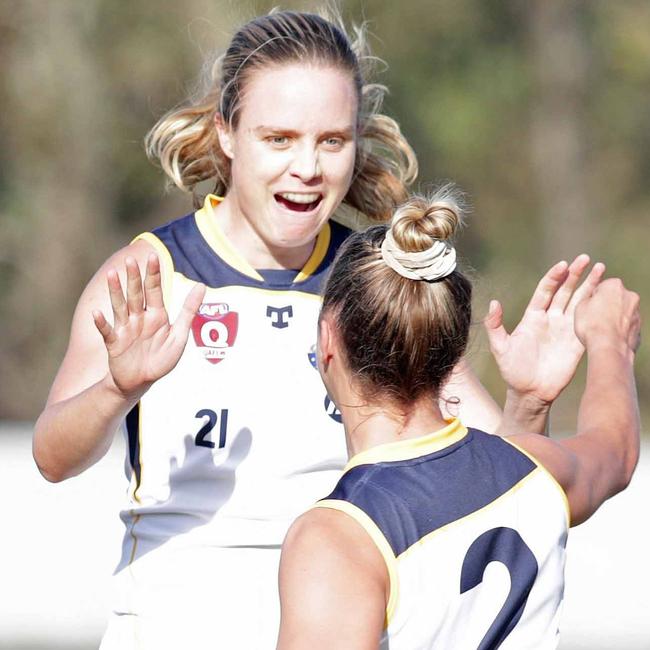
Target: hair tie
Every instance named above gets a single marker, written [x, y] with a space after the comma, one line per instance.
[434, 263]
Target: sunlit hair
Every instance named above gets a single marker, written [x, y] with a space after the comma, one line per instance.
[185, 140]
[401, 337]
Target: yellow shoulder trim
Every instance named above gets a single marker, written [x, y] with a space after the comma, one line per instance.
[380, 541]
[208, 225]
[166, 264]
[471, 515]
[317, 255]
[565, 499]
[411, 448]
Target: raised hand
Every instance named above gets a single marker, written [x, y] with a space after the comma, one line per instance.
[609, 318]
[142, 345]
[541, 355]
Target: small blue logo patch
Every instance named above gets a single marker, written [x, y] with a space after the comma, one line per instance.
[332, 411]
[311, 355]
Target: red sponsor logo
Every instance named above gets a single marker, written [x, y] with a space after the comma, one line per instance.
[214, 329]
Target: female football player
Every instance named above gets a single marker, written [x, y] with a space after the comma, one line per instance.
[439, 535]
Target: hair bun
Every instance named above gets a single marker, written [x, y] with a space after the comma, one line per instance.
[422, 220]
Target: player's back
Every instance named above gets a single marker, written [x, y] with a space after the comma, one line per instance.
[473, 534]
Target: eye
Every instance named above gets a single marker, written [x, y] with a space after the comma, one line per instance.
[334, 142]
[278, 140]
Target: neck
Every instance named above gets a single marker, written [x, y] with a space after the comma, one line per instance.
[370, 424]
[250, 244]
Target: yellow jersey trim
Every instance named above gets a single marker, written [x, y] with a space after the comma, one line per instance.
[136, 519]
[438, 531]
[411, 448]
[166, 264]
[208, 226]
[380, 542]
[317, 255]
[555, 482]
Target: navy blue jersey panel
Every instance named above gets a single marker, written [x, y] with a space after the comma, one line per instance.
[409, 499]
[133, 433]
[278, 278]
[196, 260]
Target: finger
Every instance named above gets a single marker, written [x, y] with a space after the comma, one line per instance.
[563, 294]
[153, 294]
[134, 295]
[496, 332]
[104, 327]
[190, 307]
[118, 303]
[548, 286]
[587, 288]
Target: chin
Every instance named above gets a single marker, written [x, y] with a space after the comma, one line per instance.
[299, 233]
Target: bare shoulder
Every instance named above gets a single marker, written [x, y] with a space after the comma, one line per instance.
[552, 454]
[333, 584]
[331, 530]
[344, 551]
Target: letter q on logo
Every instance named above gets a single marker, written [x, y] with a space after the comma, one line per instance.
[214, 334]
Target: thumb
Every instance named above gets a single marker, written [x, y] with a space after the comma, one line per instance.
[496, 332]
[190, 307]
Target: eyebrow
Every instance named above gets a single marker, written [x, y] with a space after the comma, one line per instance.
[347, 131]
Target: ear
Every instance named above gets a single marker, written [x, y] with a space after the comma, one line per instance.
[225, 135]
[325, 343]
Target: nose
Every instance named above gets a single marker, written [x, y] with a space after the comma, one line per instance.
[306, 164]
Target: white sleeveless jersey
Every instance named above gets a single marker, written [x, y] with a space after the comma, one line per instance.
[240, 437]
[473, 532]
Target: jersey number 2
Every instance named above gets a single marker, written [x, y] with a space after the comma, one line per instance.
[201, 439]
[503, 545]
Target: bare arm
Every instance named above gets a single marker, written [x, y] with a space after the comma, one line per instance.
[107, 368]
[333, 585]
[600, 459]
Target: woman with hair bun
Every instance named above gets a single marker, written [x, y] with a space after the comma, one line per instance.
[439, 535]
[208, 361]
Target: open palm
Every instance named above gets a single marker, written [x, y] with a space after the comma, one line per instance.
[142, 345]
[540, 356]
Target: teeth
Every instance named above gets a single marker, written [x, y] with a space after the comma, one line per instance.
[299, 198]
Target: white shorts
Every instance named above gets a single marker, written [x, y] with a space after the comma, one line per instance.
[217, 598]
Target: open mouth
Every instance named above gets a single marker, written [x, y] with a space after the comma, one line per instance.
[298, 202]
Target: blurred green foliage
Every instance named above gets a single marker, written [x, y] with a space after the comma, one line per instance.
[538, 109]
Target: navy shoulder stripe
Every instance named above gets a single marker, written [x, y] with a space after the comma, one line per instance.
[193, 256]
[195, 259]
[409, 499]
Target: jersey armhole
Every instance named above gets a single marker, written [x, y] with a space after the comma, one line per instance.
[380, 542]
[540, 465]
[166, 263]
